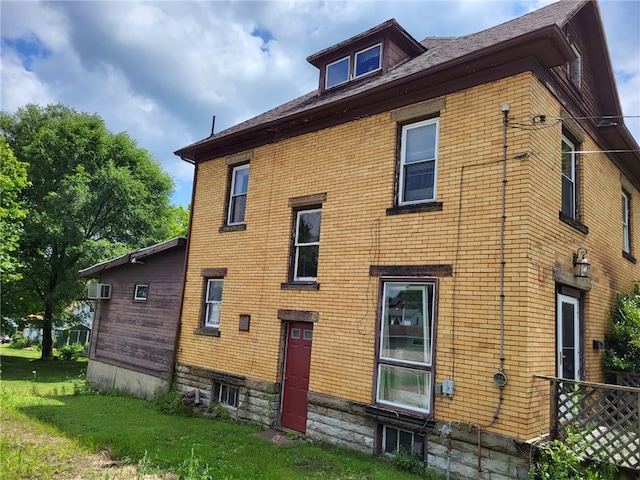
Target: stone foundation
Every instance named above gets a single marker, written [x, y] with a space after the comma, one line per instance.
[357, 426]
[258, 401]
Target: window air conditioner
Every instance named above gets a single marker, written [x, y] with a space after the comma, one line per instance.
[99, 291]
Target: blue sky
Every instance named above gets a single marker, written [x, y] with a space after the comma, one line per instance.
[160, 70]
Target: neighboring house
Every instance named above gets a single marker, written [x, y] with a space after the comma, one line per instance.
[136, 318]
[78, 328]
[394, 256]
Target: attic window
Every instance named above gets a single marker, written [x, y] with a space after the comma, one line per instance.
[337, 72]
[368, 61]
[575, 68]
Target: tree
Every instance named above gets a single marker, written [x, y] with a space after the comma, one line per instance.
[13, 178]
[92, 196]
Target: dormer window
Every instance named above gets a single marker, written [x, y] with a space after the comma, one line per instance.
[376, 50]
[368, 61]
[337, 72]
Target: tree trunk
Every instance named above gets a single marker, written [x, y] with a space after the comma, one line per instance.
[47, 341]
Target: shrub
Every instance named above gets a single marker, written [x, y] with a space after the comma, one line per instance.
[172, 403]
[69, 352]
[562, 460]
[623, 341]
[19, 342]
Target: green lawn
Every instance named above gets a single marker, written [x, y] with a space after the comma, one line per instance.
[135, 431]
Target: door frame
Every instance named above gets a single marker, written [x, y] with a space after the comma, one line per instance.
[578, 323]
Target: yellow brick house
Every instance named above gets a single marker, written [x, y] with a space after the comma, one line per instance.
[394, 257]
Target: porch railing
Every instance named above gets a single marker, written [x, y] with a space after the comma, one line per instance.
[607, 417]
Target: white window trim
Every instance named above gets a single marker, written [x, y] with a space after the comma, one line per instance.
[297, 245]
[577, 78]
[572, 179]
[138, 297]
[422, 367]
[355, 61]
[232, 195]
[403, 150]
[326, 72]
[626, 238]
[212, 323]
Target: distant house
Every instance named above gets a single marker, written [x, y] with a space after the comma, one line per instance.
[394, 259]
[136, 317]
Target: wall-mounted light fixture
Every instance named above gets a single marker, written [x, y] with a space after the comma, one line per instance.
[581, 265]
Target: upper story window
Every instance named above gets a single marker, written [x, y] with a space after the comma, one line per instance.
[626, 219]
[337, 72]
[306, 245]
[569, 179]
[212, 302]
[575, 68]
[418, 162]
[368, 61]
[238, 194]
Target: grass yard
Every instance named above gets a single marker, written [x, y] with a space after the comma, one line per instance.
[52, 429]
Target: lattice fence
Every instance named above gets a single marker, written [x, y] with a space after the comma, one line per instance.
[607, 417]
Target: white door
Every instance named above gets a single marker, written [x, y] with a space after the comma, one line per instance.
[568, 335]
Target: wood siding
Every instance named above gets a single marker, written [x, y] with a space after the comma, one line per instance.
[140, 335]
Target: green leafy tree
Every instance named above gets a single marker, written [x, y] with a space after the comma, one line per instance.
[13, 179]
[92, 195]
[623, 339]
[179, 221]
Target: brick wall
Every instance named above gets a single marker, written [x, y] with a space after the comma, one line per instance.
[354, 165]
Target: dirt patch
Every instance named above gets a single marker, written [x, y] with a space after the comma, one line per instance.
[61, 455]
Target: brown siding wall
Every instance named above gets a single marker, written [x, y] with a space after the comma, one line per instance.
[136, 334]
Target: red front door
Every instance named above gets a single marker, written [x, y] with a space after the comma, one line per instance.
[296, 376]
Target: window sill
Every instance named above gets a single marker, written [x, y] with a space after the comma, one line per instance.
[629, 257]
[207, 331]
[572, 222]
[415, 208]
[232, 228]
[300, 286]
[387, 414]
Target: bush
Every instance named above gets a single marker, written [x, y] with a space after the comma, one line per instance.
[69, 352]
[562, 460]
[623, 341]
[19, 342]
[172, 403]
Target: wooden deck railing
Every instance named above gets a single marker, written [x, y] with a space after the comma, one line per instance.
[606, 416]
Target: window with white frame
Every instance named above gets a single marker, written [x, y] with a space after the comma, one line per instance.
[337, 72]
[368, 60]
[141, 292]
[418, 162]
[238, 194]
[306, 244]
[575, 67]
[569, 183]
[405, 350]
[626, 237]
[212, 302]
[225, 394]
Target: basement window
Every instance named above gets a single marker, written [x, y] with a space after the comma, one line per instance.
[395, 439]
[225, 394]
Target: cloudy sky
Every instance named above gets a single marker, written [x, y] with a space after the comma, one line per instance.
[160, 70]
